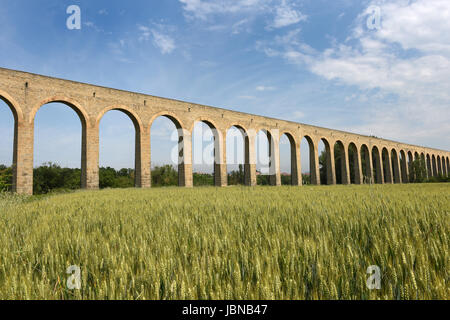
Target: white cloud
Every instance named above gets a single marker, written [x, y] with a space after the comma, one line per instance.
[164, 42]
[203, 9]
[265, 88]
[409, 57]
[286, 15]
[161, 40]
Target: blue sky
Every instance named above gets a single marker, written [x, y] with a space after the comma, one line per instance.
[316, 62]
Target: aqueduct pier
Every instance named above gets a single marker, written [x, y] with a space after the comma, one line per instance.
[384, 161]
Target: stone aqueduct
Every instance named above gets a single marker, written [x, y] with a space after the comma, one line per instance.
[385, 161]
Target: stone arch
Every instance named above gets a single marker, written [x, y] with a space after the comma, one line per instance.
[448, 166]
[340, 160]
[273, 165]
[84, 118]
[72, 103]
[139, 136]
[249, 162]
[410, 161]
[294, 158]
[185, 178]
[396, 168]
[387, 166]
[354, 164]
[433, 163]
[404, 166]
[423, 165]
[169, 115]
[366, 165]
[138, 125]
[16, 110]
[13, 105]
[439, 165]
[328, 175]
[314, 174]
[429, 167]
[377, 165]
[444, 166]
[219, 169]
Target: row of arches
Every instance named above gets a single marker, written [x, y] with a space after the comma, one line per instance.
[336, 163]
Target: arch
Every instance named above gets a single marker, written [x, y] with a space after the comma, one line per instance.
[377, 166]
[387, 170]
[138, 154]
[272, 166]
[448, 167]
[219, 169]
[410, 166]
[13, 105]
[444, 166]
[327, 174]
[354, 164]
[366, 165]
[72, 103]
[340, 156]
[295, 175]
[16, 110]
[184, 159]
[439, 165]
[45, 154]
[171, 116]
[247, 173]
[423, 166]
[314, 175]
[404, 166]
[397, 177]
[125, 109]
[428, 164]
[433, 163]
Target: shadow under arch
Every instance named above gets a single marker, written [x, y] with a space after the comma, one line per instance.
[404, 166]
[439, 165]
[354, 164]
[18, 118]
[386, 165]
[326, 173]
[428, 164]
[433, 163]
[340, 166]
[139, 130]
[396, 168]
[314, 174]
[377, 165]
[294, 158]
[366, 166]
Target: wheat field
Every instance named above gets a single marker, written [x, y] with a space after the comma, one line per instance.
[228, 243]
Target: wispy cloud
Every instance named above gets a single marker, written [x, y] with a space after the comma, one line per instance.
[163, 41]
[265, 88]
[287, 15]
